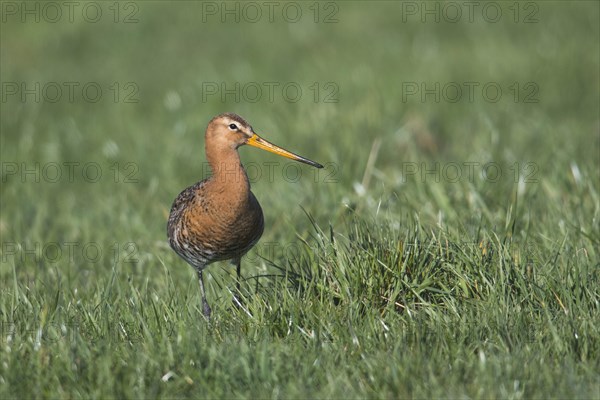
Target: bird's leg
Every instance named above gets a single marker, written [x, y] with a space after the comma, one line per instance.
[205, 307]
[238, 265]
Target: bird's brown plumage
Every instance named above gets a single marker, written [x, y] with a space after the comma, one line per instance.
[219, 218]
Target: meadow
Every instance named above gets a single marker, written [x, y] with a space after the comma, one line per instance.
[448, 249]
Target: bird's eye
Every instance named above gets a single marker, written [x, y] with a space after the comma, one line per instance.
[233, 127]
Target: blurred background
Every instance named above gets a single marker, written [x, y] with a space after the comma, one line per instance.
[448, 248]
[104, 107]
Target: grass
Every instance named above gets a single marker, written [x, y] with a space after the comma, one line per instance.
[384, 276]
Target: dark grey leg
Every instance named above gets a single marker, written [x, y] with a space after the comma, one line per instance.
[205, 307]
[238, 265]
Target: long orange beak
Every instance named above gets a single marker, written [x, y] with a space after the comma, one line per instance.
[257, 141]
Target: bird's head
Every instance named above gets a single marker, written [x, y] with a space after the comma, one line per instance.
[232, 131]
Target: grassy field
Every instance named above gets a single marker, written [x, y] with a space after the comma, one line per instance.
[449, 249]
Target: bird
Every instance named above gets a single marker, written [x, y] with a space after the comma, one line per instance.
[219, 218]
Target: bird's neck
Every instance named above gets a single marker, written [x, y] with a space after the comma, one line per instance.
[228, 174]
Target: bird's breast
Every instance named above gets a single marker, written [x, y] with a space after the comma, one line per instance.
[216, 224]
